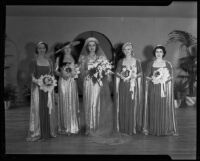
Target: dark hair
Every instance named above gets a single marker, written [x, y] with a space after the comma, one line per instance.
[62, 53]
[159, 47]
[97, 47]
[45, 44]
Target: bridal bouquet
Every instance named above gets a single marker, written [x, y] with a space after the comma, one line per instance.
[47, 83]
[72, 70]
[98, 69]
[161, 75]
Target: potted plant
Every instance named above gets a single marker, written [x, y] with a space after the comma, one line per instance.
[27, 93]
[185, 88]
[9, 95]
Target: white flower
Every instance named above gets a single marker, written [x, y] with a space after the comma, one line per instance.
[102, 66]
[47, 83]
[95, 75]
[75, 70]
[160, 76]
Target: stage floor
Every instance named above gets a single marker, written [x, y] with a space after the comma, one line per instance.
[177, 147]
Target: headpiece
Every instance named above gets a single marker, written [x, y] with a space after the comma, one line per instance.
[127, 44]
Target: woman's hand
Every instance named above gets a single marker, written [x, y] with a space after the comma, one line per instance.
[109, 78]
[117, 85]
[34, 80]
[169, 79]
[149, 78]
[65, 75]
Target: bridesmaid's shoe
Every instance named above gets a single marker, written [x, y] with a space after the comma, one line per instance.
[41, 140]
[68, 134]
[87, 133]
[32, 139]
[146, 133]
[175, 134]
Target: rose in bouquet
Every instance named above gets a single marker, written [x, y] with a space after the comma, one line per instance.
[125, 72]
[161, 75]
[99, 69]
[71, 70]
[128, 73]
[47, 83]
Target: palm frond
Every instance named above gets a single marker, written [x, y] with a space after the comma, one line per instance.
[188, 64]
[182, 36]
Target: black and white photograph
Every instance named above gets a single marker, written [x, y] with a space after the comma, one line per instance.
[101, 80]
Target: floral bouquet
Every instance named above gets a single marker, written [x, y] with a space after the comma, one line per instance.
[72, 70]
[161, 75]
[128, 73]
[99, 69]
[47, 83]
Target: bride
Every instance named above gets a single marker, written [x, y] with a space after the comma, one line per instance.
[97, 102]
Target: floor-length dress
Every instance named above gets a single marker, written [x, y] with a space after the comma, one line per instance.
[159, 114]
[42, 122]
[99, 112]
[130, 102]
[68, 106]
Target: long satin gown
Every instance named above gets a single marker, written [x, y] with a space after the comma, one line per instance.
[99, 112]
[43, 125]
[130, 108]
[68, 106]
[159, 114]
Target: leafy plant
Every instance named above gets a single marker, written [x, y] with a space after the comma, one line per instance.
[27, 92]
[188, 63]
[9, 93]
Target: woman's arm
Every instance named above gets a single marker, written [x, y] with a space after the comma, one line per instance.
[170, 68]
[32, 71]
[139, 67]
[148, 72]
[117, 76]
[83, 66]
[56, 69]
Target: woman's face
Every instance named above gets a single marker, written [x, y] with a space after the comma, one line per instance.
[128, 50]
[67, 50]
[159, 53]
[41, 49]
[92, 46]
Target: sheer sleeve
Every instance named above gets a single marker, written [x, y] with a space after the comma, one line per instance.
[139, 68]
[82, 65]
[119, 66]
[149, 70]
[171, 69]
[32, 67]
[56, 68]
[51, 67]
[33, 71]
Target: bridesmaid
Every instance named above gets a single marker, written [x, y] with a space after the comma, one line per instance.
[68, 101]
[159, 114]
[129, 92]
[42, 118]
